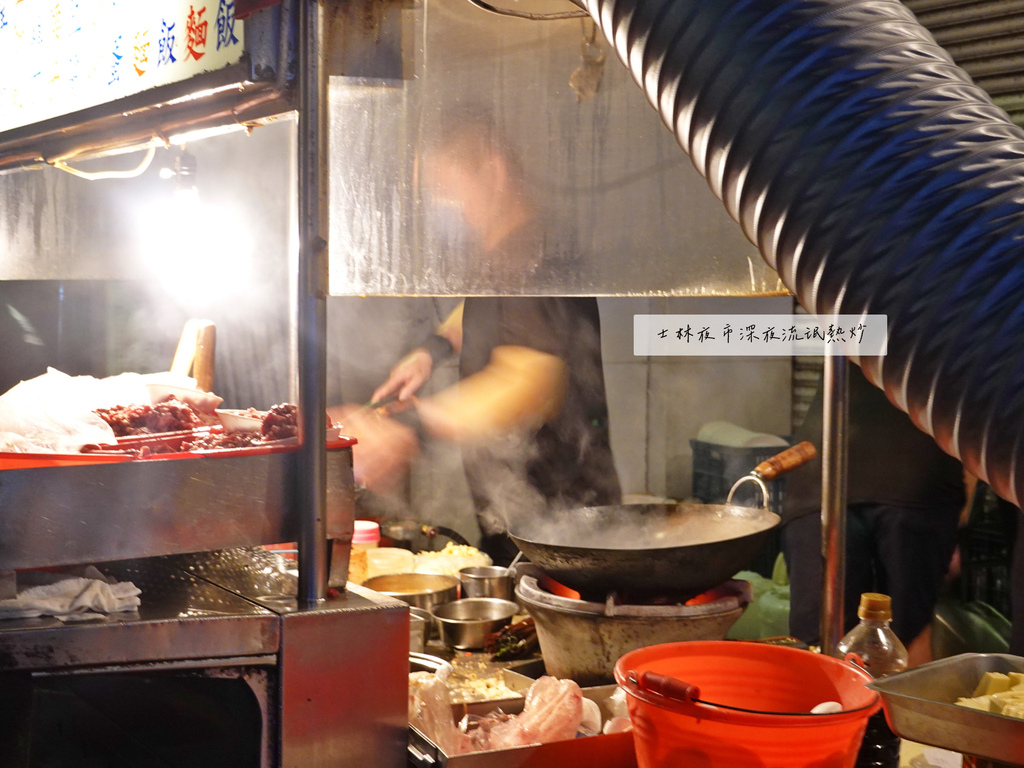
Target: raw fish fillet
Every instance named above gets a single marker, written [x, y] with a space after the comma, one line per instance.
[553, 712]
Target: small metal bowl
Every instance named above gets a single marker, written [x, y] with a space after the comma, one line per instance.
[465, 624]
[487, 581]
[421, 590]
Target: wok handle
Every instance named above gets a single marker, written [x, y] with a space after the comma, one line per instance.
[791, 458]
[430, 531]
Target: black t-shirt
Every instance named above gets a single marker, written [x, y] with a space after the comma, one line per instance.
[890, 461]
[567, 462]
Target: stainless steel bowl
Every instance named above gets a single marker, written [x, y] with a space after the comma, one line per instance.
[422, 590]
[486, 581]
[466, 623]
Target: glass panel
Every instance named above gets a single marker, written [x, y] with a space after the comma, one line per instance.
[507, 137]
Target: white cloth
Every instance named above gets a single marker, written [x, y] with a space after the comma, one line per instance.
[60, 595]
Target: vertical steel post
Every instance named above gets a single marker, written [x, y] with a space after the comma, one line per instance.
[833, 499]
[311, 309]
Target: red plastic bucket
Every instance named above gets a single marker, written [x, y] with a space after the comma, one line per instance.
[747, 705]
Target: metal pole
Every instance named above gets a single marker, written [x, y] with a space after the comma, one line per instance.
[311, 308]
[833, 499]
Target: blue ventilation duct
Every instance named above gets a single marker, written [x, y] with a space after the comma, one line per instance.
[873, 175]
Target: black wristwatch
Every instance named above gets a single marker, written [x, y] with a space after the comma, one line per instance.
[439, 348]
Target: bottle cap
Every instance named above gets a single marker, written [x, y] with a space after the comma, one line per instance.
[875, 606]
[365, 532]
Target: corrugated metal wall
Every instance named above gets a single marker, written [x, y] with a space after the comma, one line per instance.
[986, 38]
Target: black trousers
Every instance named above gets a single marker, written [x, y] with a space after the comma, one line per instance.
[1017, 590]
[899, 551]
[500, 547]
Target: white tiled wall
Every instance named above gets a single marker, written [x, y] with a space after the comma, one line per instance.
[658, 404]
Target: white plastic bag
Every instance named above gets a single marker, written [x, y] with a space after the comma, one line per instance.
[55, 413]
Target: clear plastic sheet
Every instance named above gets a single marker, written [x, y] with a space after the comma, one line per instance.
[618, 204]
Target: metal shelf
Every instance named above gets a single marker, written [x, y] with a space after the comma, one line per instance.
[100, 512]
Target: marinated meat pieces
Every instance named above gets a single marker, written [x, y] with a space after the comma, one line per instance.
[213, 441]
[168, 416]
[281, 421]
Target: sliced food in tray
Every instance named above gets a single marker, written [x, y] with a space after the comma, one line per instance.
[555, 723]
[177, 422]
[965, 703]
[175, 427]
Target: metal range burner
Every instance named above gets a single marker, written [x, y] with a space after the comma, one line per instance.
[582, 639]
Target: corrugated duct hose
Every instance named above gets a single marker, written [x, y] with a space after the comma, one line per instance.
[873, 175]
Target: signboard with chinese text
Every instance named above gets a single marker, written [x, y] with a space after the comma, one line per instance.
[58, 57]
[760, 335]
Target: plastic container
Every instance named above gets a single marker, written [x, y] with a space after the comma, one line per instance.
[764, 695]
[365, 535]
[365, 538]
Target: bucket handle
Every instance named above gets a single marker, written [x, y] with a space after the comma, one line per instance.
[681, 697]
[665, 685]
[854, 658]
[669, 692]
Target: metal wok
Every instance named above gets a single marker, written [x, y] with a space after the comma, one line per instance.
[655, 549]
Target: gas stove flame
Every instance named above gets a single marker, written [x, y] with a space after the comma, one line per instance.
[623, 597]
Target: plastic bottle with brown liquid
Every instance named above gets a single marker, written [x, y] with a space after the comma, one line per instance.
[881, 653]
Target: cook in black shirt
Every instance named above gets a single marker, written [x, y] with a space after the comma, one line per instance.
[529, 410]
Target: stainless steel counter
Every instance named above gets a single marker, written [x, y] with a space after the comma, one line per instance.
[336, 675]
[181, 617]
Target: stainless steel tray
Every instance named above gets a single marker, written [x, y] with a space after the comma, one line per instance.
[919, 705]
[601, 751]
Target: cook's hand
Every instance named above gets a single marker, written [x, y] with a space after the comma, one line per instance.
[383, 447]
[411, 373]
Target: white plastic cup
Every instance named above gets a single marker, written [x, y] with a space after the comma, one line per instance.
[365, 535]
